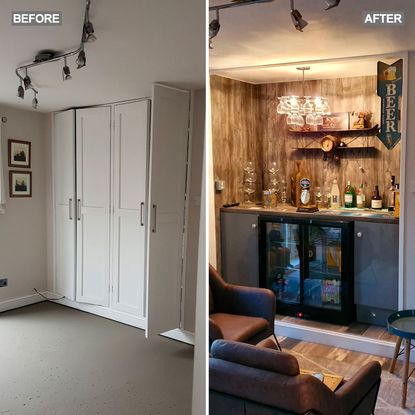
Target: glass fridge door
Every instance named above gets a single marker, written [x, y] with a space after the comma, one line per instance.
[282, 256]
[323, 272]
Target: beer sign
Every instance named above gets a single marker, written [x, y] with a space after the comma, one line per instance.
[390, 91]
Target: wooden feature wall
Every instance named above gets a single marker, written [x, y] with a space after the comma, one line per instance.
[246, 126]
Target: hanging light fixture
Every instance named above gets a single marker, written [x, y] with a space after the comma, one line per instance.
[88, 29]
[297, 18]
[332, 3]
[303, 110]
[20, 90]
[81, 59]
[48, 56]
[35, 101]
[214, 27]
[66, 72]
[27, 82]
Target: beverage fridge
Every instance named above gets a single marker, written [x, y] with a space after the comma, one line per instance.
[308, 264]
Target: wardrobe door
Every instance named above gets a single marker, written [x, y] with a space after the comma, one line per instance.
[130, 188]
[168, 168]
[93, 178]
[64, 196]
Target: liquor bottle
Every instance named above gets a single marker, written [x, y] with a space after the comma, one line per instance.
[335, 195]
[397, 211]
[376, 199]
[360, 197]
[391, 195]
[349, 196]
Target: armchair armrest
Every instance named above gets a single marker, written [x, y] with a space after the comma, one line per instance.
[215, 332]
[248, 301]
[354, 391]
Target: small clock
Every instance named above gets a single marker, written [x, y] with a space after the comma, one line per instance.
[328, 143]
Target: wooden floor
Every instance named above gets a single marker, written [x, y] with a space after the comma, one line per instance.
[360, 329]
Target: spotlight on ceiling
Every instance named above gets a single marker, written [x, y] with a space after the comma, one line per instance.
[297, 18]
[27, 82]
[88, 29]
[20, 90]
[35, 101]
[81, 60]
[332, 3]
[214, 27]
[66, 72]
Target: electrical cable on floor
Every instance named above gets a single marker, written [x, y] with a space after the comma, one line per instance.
[47, 298]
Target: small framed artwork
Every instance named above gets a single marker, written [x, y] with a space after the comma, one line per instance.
[19, 153]
[20, 183]
[336, 121]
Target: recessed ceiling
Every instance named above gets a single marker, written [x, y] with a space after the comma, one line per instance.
[263, 34]
[138, 42]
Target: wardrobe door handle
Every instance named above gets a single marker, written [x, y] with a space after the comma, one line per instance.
[141, 213]
[78, 209]
[70, 209]
[155, 219]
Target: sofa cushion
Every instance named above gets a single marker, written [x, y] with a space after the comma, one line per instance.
[257, 357]
[239, 328]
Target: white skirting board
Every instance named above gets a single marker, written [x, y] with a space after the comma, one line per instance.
[20, 302]
[336, 339]
[180, 335]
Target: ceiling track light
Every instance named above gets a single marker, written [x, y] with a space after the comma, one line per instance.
[297, 18]
[214, 27]
[50, 56]
[332, 3]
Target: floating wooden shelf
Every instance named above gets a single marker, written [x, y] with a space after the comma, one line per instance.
[353, 130]
[337, 148]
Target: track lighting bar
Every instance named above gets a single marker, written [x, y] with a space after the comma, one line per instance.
[26, 82]
[238, 4]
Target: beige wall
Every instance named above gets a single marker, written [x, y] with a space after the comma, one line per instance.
[23, 226]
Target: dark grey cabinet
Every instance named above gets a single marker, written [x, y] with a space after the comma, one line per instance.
[376, 271]
[239, 248]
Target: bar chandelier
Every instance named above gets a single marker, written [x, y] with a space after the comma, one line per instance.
[303, 110]
[48, 56]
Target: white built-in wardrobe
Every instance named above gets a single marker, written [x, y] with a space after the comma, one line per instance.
[119, 208]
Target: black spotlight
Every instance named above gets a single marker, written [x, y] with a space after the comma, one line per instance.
[297, 18]
[332, 3]
[81, 60]
[35, 101]
[66, 72]
[214, 27]
[20, 91]
[27, 82]
[88, 33]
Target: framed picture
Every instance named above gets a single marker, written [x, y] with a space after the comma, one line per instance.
[19, 153]
[20, 183]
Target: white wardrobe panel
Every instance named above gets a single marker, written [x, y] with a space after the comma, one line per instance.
[64, 196]
[130, 188]
[93, 178]
[168, 167]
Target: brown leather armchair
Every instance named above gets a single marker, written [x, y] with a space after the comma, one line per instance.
[252, 380]
[239, 313]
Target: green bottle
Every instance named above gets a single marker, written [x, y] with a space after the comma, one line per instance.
[349, 196]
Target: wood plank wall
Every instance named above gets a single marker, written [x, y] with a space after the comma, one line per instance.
[245, 126]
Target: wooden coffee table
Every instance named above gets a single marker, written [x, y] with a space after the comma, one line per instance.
[402, 324]
[331, 381]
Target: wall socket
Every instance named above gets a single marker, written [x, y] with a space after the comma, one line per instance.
[3, 282]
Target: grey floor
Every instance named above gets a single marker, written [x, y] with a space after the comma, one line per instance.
[61, 361]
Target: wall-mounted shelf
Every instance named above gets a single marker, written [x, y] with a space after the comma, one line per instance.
[373, 129]
[368, 148]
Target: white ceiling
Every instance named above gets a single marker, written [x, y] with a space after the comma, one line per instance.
[263, 34]
[138, 42]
